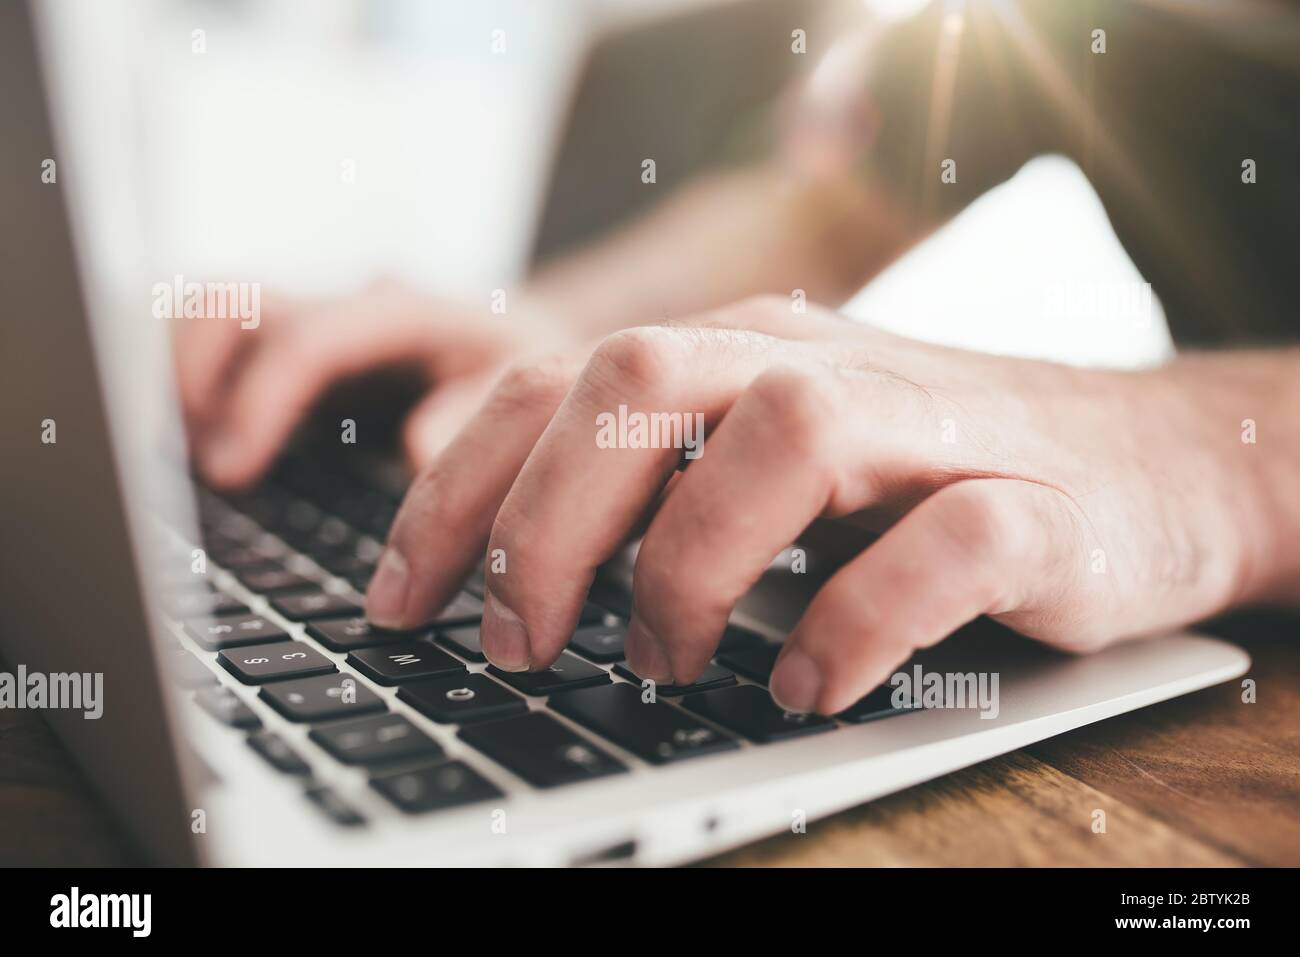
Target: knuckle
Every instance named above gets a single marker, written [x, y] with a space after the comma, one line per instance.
[543, 381]
[649, 357]
[986, 531]
[801, 407]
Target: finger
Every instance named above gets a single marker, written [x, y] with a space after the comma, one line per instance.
[575, 501]
[983, 546]
[277, 386]
[795, 446]
[203, 355]
[442, 528]
[773, 465]
[438, 417]
[279, 383]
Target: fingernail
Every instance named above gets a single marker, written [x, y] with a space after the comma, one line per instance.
[386, 596]
[646, 655]
[796, 682]
[503, 636]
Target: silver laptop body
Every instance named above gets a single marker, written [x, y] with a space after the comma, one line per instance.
[90, 520]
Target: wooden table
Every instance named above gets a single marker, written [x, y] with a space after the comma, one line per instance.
[1200, 780]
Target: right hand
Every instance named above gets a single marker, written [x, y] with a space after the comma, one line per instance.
[243, 391]
[999, 484]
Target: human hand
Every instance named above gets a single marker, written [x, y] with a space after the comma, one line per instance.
[244, 390]
[1077, 507]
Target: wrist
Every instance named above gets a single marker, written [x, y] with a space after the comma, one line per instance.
[1241, 420]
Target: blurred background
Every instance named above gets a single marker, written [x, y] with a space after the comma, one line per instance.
[314, 144]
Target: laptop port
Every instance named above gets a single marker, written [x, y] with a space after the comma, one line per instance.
[623, 851]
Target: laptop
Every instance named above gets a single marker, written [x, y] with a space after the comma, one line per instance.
[249, 716]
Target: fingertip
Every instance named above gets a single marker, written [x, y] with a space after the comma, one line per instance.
[387, 593]
[646, 654]
[504, 636]
[225, 462]
[796, 683]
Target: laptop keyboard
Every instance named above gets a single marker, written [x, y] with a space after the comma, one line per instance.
[305, 546]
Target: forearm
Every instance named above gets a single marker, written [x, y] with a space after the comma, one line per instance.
[767, 228]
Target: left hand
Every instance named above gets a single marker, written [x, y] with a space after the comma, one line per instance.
[1077, 507]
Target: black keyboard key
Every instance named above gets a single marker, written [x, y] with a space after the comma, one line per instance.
[750, 711]
[271, 547]
[321, 698]
[379, 739]
[258, 664]
[349, 566]
[568, 672]
[464, 609]
[464, 641]
[273, 578]
[594, 615]
[404, 661]
[304, 606]
[332, 535]
[187, 671]
[658, 732]
[878, 704]
[349, 634]
[458, 699]
[224, 705]
[280, 756]
[437, 788]
[299, 517]
[755, 662]
[602, 643]
[612, 598]
[377, 519]
[735, 638]
[238, 557]
[713, 676]
[540, 750]
[225, 524]
[214, 543]
[231, 631]
[338, 810]
[263, 509]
